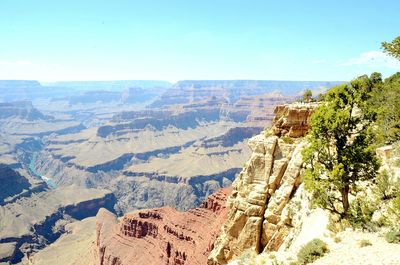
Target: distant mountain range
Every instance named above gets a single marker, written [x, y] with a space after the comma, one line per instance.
[162, 93]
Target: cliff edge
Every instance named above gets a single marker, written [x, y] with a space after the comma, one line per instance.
[259, 215]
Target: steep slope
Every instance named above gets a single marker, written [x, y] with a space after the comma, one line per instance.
[11, 183]
[21, 110]
[30, 223]
[161, 236]
[74, 247]
[258, 214]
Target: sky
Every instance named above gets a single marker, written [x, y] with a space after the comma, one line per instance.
[196, 39]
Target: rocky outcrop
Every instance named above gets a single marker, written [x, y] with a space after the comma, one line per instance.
[161, 236]
[292, 120]
[30, 223]
[258, 217]
[232, 137]
[22, 110]
[11, 183]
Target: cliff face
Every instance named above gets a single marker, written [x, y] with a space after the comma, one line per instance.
[11, 183]
[22, 110]
[160, 236]
[30, 223]
[259, 216]
[293, 120]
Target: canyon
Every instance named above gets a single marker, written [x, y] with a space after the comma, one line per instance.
[255, 215]
[125, 149]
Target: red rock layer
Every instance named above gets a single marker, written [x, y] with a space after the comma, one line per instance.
[161, 236]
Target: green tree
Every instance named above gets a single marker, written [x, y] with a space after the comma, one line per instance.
[392, 48]
[307, 96]
[340, 151]
[384, 106]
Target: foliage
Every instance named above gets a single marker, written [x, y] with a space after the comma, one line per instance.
[396, 153]
[364, 243]
[392, 48]
[393, 236]
[386, 186]
[340, 150]
[307, 95]
[395, 209]
[384, 107]
[287, 139]
[311, 251]
[337, 239]
[361, 211]
[268, 132]
[383, 184]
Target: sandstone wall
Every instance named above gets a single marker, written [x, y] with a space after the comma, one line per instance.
[258, 218]
[293, 120]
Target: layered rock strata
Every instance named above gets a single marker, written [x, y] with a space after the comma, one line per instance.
[161, 236]
[258, 217]
[29, 223]
[293, 120]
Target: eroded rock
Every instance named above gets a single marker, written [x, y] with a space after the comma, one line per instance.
[258, 218]
[161, 236]
[293, 120]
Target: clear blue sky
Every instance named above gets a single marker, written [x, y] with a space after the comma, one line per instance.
[195, 39]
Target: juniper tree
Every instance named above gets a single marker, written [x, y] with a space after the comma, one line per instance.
[340, 151]
[307, 96]
[392, 48]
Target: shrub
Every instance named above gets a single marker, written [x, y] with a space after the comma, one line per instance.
[287, 139]
[384, 184]
[396, 206]
[360, 213]
[393, 236]
[337, 239]
[364, 243]
[312, 251]
[268, 132]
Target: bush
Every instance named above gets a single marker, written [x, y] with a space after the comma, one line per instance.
[287, 140]
[387, 186]
[364, 243]
[396, 206]
[360, 213]
[393, 236]
[384, 184]
[268, 132]
[337, 239]
[312, 251]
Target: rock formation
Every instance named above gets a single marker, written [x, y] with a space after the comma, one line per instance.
[11, 182]
[258, 218]
[22, 110]
[31, 222]
[292, 120]
[161, 236]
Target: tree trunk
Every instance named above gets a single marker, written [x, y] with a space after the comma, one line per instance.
[345, 198]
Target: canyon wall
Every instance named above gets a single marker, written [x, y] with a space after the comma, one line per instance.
[162, 235]
[259, 216]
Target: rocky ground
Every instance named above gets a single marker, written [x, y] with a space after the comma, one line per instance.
[349, 251]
